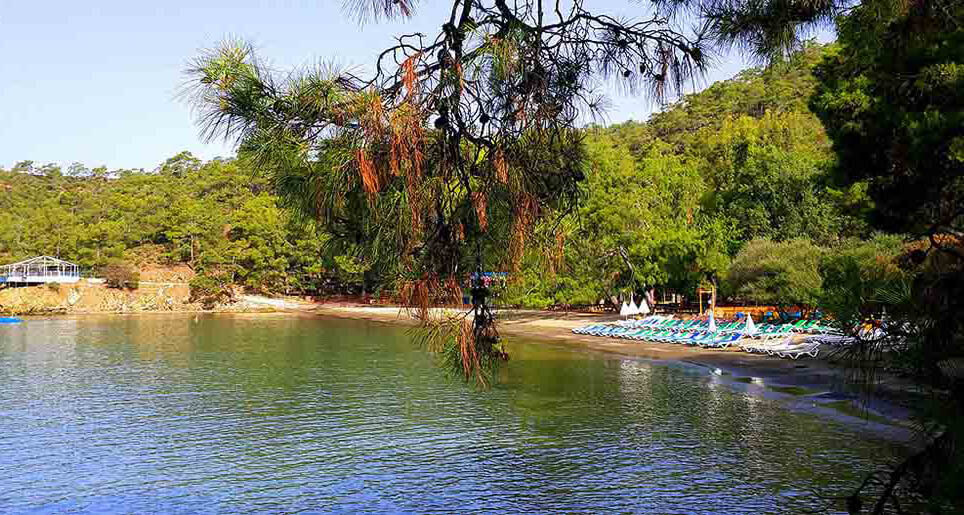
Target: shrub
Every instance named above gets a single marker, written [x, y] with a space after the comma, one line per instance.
[210, 289]
[119, 274]
[858, 274]
[779, 273]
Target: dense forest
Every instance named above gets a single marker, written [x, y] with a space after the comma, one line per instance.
[219, 217]
[683, 199]
[731, 186]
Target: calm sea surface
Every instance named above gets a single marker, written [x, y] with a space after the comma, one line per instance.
[220, 414]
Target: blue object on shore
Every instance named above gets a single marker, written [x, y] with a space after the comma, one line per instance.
[7, 320]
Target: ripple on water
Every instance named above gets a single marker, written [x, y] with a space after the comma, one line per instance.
[165, 414]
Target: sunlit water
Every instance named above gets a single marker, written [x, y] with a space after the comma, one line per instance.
[209, 414]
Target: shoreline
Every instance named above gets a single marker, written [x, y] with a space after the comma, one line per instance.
[814, 382]
[811, 380]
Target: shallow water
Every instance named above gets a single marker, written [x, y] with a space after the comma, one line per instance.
[216, 414]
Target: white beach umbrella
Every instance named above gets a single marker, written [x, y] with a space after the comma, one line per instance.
[624, 310]
[643, 307]
[750, 326]
[712, 323]
[633, 308]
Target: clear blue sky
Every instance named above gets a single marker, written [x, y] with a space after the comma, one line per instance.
[95, 82]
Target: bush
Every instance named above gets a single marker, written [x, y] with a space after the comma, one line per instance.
[857, 274]
[211, 289]
[779, 273]
[119, 274]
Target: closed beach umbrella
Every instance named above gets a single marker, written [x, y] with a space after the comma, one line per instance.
[633, 309]
[750, 326]
[643, 307]
[712, 323]
[624, 310]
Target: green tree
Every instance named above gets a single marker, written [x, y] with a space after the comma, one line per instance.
[475, 125]
[258, 244]
[776, 273]
[769, 175]
[891, 99]
[897, 119]
[180, 165]
[218, 217]
[856, 272]
[640, 224]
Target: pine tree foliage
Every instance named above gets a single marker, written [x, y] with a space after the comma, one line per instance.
[464, 140]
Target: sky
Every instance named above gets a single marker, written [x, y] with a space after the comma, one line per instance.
[96, 82]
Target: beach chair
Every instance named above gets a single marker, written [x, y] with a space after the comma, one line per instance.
[722, 341]
[778, 331]
[604, 331]
[765, 345]
[658, 335]
[785, 345]
[691, 337]
[625, 334]
[669, 336]
[639, 334]
[647, 335]
[607, 331]
[631, 333]
[808, 348]
[805, 326]
[586, 328]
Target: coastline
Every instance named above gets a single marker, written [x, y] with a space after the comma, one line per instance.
[814, 383]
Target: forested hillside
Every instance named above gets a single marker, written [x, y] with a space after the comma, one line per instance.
[218, 217]
[668, 203]
[672, 201]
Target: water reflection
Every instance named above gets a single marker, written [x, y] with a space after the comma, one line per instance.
[279, 414]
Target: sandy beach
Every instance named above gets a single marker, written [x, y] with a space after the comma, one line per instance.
[817, 379]
[811, 384]
[805, 376]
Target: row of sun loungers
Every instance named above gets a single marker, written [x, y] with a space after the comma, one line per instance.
[783, 340]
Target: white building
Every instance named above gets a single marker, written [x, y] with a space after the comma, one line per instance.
[41, 269]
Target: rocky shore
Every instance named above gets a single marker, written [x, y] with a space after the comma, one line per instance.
[87, 297]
